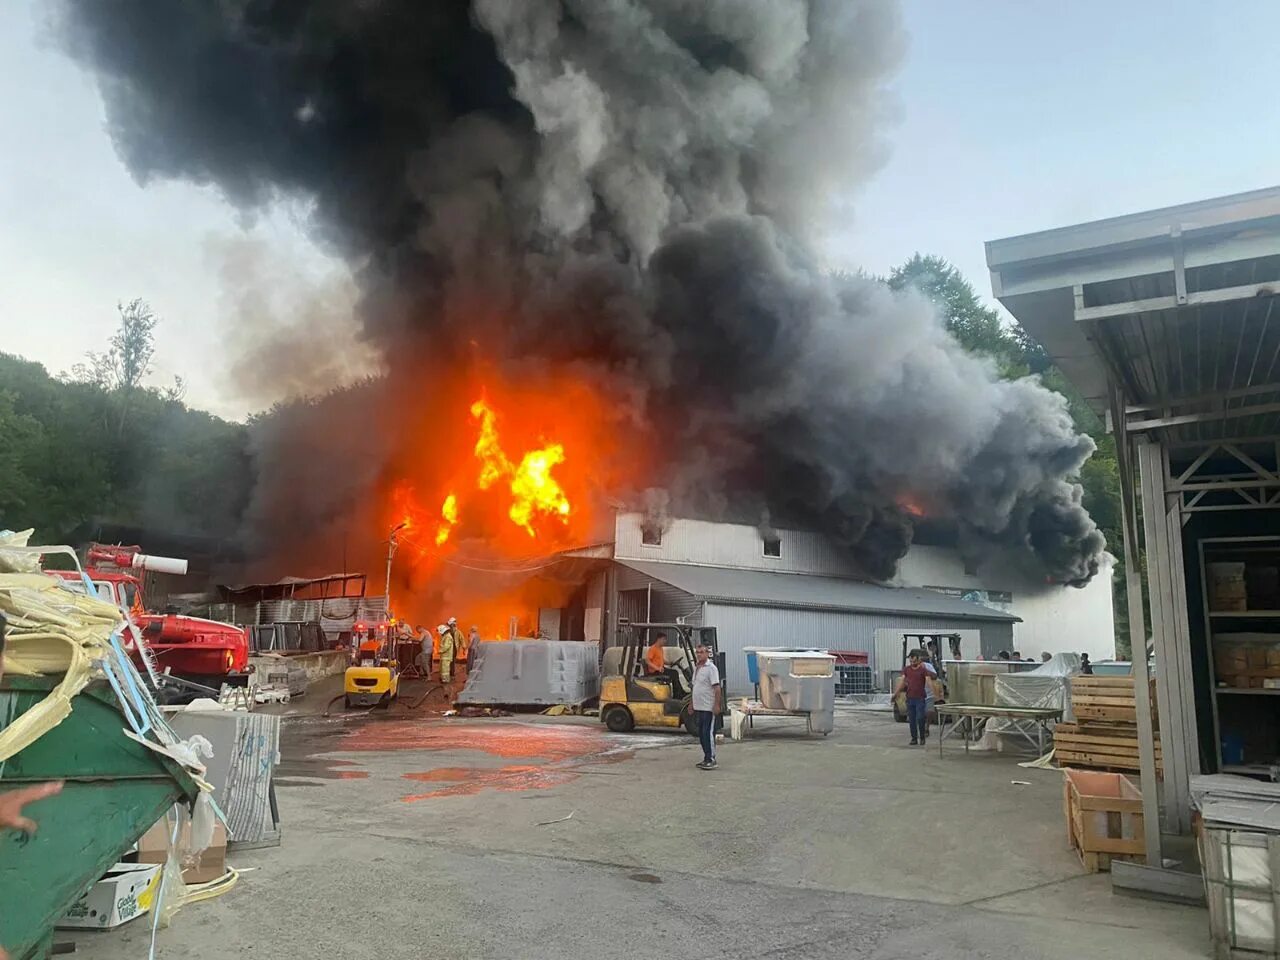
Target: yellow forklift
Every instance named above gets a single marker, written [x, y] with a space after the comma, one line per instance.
[931, 645]
[629, 698]
[373, 679]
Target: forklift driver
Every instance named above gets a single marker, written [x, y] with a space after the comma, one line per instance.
[655, 663]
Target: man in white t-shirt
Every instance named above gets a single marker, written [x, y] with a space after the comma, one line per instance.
[705, 704]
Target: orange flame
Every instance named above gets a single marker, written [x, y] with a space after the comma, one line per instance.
[533, 488]
[911, 505]
[449, 511]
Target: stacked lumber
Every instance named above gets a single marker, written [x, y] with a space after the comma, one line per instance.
[1099, 746]
[1105, 734]
[1106, 699]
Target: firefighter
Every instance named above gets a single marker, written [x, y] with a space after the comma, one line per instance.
[446, 654]
[459, 642]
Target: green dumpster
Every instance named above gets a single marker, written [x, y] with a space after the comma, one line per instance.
[115, 790]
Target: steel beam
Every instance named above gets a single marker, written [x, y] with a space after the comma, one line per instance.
[1170, 638]
[1194, 399]
[1204, 416]
[1138, 643]
[1153, 304]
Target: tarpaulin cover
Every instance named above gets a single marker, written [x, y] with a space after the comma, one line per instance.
[1046, 686]
[534, 672]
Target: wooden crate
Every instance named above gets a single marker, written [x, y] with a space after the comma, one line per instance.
[1241, 890]
[1100, 746]
[1108, 699]
[1104, 818]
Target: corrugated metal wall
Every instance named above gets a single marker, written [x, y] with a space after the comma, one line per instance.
[731, 545]
[739, 626]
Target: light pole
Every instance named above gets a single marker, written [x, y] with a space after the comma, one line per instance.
[392, 543]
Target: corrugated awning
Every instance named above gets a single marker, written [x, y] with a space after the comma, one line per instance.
[1177, 307]
[764, 588]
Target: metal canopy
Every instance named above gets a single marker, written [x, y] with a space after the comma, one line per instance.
[1177, 307]
[1167, 323]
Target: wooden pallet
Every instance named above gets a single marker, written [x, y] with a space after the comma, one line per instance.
[1100, 746]
[1107, 699]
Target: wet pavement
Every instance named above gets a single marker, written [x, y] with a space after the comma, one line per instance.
[415, 836]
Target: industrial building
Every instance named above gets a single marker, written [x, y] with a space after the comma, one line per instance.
[780, 587]
[1164, 321]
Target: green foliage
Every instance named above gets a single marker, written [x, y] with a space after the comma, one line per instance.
[979, 329]
[102, 447]
[976, 326]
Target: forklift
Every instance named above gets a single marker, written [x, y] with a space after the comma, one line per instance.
[373, 678]
[931, 644]
[629, 698]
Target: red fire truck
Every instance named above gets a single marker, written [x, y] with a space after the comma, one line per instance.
[201, 651]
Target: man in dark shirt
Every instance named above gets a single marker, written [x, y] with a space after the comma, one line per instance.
[914, 682]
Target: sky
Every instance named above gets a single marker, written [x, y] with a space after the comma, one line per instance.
[1005, 117]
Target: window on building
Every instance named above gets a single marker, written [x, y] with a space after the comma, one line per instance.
[651, 536]
[773, 546]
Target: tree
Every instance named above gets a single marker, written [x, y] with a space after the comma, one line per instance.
[101, 446]
[128, 361]
[976, 326]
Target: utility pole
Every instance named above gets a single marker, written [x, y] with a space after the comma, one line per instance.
[392, 543]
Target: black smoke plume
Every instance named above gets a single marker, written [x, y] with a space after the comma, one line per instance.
[629, 184]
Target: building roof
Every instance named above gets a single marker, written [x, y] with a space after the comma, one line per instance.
[758, 587]
[1173, 306]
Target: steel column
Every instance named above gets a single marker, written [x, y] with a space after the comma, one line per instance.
[1137, 641]
[1170, 640]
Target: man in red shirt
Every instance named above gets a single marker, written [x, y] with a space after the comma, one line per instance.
[914, 682]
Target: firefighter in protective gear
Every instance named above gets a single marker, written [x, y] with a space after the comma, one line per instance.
[459, 643]
[447, 651]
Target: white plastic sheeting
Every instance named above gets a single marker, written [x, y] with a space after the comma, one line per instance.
[1046, 686]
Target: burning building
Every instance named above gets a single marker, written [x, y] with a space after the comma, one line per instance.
[584, 233]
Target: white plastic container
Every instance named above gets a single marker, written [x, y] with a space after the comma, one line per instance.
[801, 681]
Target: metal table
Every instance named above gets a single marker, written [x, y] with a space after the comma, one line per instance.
[750, 709]
[971, 717]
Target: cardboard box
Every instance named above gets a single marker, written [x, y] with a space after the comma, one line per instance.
[153, 847]
[128, 890]
[1227, 591]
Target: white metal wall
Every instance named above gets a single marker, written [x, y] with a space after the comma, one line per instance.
[1055, 618]
[735, 545]
[739, 626]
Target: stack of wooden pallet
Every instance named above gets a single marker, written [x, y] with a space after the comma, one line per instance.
[1105, 734]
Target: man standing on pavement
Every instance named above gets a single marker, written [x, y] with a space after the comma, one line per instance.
[913, 682]
[706, 704]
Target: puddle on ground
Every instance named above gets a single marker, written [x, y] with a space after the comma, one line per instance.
[507, 740]
[561, 752]
[319, 768]
[513, 778]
